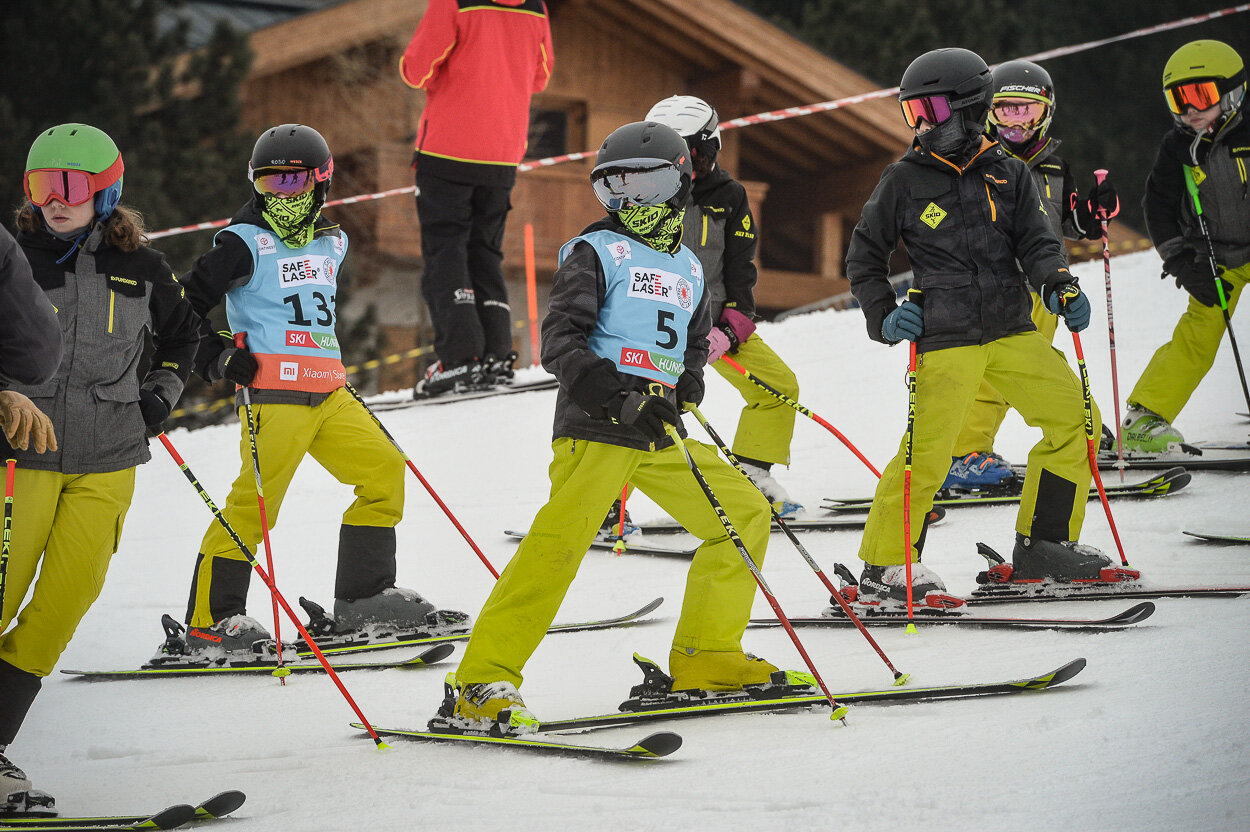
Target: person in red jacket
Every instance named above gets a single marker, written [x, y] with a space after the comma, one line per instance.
[479, 61]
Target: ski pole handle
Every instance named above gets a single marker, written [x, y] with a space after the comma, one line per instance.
[240, 340]
[1100, 175]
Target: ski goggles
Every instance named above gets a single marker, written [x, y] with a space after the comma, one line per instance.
[1018, 112]
[934, 109]
[72, 187]
[627, 182]
[1200, 95]
[285, 183]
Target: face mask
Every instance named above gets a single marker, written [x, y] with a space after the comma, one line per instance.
[950, 140]
[293, 219]
[657, 225]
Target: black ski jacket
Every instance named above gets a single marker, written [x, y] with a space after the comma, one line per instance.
[721, 232]
[968, 233]
[30, 340]
[577, 294]
[1222, 189]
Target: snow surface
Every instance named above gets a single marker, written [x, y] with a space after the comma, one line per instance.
[1150, 736]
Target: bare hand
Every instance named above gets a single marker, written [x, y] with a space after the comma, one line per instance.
[21, 419]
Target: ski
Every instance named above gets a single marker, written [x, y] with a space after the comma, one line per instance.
[806, 524]
[1133, 615]
[1221, 537]
[634, 545]
[170, 666]
[1013, 593]
[650, 747]
[1168, 482]
[745, 704]
[361, 643]
[217, 806]
[384, 403]
[1213, 457]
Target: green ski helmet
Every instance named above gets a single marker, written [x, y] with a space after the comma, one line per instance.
[1205, 72]
[67, 148]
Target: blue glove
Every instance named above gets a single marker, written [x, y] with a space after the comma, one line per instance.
[905, 323]
[1069, 302]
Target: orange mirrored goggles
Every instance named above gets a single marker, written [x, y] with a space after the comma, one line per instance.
[72, 187]
[1201, 95]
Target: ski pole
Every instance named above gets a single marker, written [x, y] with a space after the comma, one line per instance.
[10, 466]
[260, 570]
[1088, 400]
[756, 380]
[408, 461]
[900, 678]
[619, 546]
[240, 341]
[1219, 283]
[839, 710]
[911, 424]
[1099, 176]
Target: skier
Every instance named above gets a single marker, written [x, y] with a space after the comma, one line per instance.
[1024, 104]
[1204, 84]
[720, 230]
[277, 267]
[90, 256]
[30, 341]
[626, 336]
[971, 218]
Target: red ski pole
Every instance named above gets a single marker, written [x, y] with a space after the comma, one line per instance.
[1099, 176]
[756, 380]
[240, 341]
[264, 576]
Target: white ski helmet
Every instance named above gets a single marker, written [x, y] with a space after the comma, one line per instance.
[693, 118]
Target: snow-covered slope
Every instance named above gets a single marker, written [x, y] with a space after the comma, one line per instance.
[1151, 736]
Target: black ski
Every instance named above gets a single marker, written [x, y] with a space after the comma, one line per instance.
[746, 704]
[217, 806]
[1133, 615]
[634, 545]
[1168, 482]
[806, 524]
[1132, 591]
[387, 403]
[360, 643]
[650, 747]
[1242, 539]
[1201, 457]
[173, 667]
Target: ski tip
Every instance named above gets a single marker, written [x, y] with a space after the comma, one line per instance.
[660, 744]
[1137, 613]
[434, 654]
[1056, 677]
[168, 818]
[220, 805]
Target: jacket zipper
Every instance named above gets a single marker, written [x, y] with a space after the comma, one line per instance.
[704, 241]
[112, 297]
[993, 208]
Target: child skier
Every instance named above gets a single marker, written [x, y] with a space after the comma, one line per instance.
[1024, 104]
[626, 337]
[971, 219]
[1204, 84]
[90, 256]
[277, 267]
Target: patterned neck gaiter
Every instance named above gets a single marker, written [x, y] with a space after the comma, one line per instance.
[659, 226]
[293, 219]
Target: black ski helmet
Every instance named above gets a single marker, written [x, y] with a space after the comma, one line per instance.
[960, 75]
[645, 145]
[293, 145]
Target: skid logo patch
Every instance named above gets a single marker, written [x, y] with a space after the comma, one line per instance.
[662, 286]
[932, 215]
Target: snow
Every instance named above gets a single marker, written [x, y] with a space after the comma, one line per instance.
[1150, 736]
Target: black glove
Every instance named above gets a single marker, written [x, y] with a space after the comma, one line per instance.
[237, 364]
[154, 409]
[597, 390]
[649, 414]
[690, 388]
[1195, 277]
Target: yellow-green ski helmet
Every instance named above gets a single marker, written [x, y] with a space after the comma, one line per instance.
[1201, 74]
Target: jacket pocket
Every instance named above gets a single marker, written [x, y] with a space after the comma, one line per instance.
[950, 306]
[127, 311]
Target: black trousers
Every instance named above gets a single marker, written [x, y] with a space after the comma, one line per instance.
[462, 227]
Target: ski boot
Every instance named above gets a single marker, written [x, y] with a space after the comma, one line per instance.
[234, 640]
[1146, 432]
[882, 590]
[459, 378]
[396, 610]
[488, 708]
[1047, 567]
[706, 676]
[499, 371]
[612, 527]
[785, 507]
[979, 472]
[17, 798]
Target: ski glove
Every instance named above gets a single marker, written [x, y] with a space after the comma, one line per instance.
[690, 388]
[736, 326]
[717, 344]
[1195, 277]
[648, 414]
[237, 364]
[154, 409]
[905, 323]
[21, 421]
[596, 389]
[1068, 302]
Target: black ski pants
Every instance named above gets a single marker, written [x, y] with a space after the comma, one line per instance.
[462, 227]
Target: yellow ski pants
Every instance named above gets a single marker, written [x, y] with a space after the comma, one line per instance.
[766, 424]
[585, 478]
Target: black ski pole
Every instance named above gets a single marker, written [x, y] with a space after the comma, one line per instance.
[264, 576]
[10, 466]
[1219, 282]
[1100, 175]
[839, 710]
[900, 678]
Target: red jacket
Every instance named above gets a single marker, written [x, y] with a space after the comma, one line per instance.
[479, 62]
